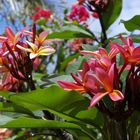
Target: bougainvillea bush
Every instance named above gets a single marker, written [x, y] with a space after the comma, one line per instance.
[61, 81]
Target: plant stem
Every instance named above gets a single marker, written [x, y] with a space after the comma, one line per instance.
[115, 130]
[103, 35]
[31, 82]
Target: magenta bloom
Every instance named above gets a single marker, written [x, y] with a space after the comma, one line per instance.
[130, 53]
[78, 13]
[41, 13]
[97, 84]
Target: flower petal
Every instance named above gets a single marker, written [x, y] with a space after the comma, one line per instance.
[71, 86]
[33, 55]
[105, 62]
[116, 95]
[9, 33]
[91, 83]
[97, 98]
[46, 50]
[17, 37]
[104, 78]
[76, 78]
[33, 46]
[111, 73]
[43, 35]
[24, 49]
[2, 39]
[95, 53]
[103, 52]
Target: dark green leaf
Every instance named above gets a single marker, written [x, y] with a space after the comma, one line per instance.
[112, 12]
[132, 24]
[24, 122]
[133, 124]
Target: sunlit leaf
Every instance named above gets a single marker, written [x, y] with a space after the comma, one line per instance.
[132, 24]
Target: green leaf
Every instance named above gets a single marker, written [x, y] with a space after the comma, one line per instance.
[4, 119]
[8, 106]
[88, 47]
[136, 38]
[52, 80]
[65, 104]
[111, 12]
[76, 65]
[134, 122]
[24, 122]
[132, 24]
[71, 31]
[67, 60]
[12, 107]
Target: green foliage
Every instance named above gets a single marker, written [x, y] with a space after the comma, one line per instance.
[132, 24]
[71, 31]
[75, 66]
[136, 38]
[134, 122]
[111, 13]
[63, 104]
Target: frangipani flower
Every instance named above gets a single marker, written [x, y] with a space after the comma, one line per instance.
[106, 80]
[84, 82]
[101, 52]
[130, 53]
[12, 38]
[96, 83]
[41, 39]
[35, 51]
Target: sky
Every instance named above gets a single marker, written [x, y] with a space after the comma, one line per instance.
[130, 8]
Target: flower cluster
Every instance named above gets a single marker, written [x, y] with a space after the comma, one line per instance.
[78, 13]
[41, 13]
[19, 55]
[82, 10]
[104, 75]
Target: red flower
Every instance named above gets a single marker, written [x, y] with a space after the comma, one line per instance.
[95, 15]
[106, 85]
[41, 13]
[97, 84]
[78, 13]
[130, 53]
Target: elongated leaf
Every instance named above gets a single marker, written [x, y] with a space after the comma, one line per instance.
[112, 12]
[24, 122]
[12, 107]
[71, 31]
[62, 103]
[8, 106]
[132, 24]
